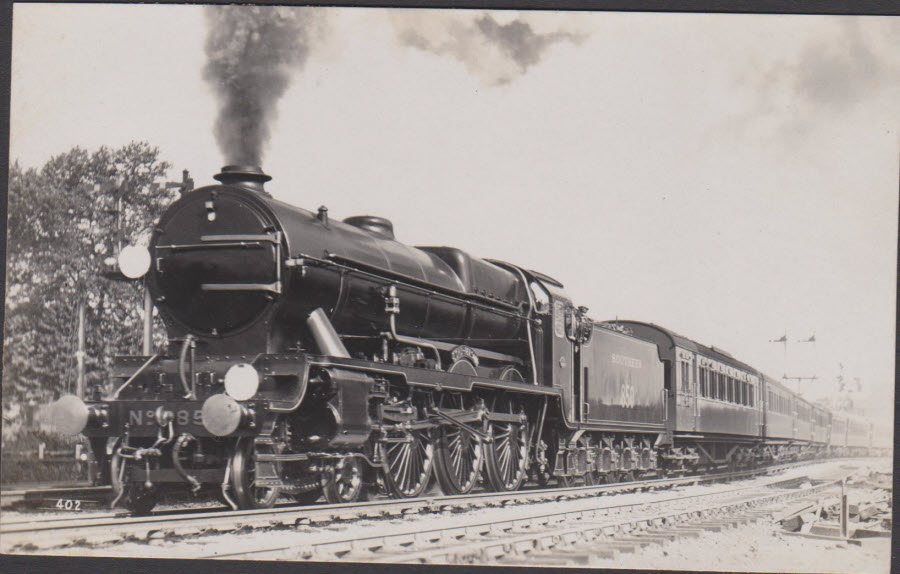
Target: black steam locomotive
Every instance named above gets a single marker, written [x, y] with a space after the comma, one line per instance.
[310, 357]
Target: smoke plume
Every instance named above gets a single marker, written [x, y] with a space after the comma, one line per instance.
[496, 52]
[252, 52]
[838, 74]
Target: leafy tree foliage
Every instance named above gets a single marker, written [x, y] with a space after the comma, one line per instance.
[62, 234]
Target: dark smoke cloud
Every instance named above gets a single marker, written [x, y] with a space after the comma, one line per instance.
[837, 74]
[498, 53]
[252, 52]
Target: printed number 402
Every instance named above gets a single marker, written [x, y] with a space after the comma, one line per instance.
[68, 504]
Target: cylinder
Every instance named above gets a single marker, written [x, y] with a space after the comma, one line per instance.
[326, 337]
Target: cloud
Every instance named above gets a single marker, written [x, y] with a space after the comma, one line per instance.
[497, 52]
[833, 73]
[839, 74]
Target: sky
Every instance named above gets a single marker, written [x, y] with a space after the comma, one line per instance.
[731, 177]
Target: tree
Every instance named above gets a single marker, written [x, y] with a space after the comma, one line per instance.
[61, 231]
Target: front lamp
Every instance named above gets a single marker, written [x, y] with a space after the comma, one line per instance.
[241, 382]
[134, 261]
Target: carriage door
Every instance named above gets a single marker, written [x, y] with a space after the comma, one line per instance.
[685, 395]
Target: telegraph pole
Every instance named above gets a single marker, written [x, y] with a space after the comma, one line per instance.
[184, 186]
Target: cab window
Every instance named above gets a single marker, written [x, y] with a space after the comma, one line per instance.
[541, 298]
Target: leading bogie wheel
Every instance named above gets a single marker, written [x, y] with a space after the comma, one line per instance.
[347, 483]
[128, 494]
[506, 455]
[243, 478]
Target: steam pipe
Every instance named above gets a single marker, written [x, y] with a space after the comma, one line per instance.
[327, 339]
[182, 442]
[413, 341]
[393, 309]
[182, 359]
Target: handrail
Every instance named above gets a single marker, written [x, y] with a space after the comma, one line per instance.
[135, 375]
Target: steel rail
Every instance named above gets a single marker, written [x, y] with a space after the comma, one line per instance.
[62, 531]
[455, 541]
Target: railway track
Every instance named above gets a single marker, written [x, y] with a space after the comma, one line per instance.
[546, 536]
[26, 533]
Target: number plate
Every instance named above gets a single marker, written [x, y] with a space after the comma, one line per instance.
[147, 417]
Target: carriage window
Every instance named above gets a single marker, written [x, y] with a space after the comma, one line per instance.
[750, 393]
[703, 389]
[686, 378]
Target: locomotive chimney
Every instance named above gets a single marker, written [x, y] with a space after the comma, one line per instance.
[249, 176]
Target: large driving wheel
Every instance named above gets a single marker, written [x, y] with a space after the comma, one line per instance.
[458, 455]
[347, 485]
[243, 478]
[407, 460]
[127, 493]
[506, 456]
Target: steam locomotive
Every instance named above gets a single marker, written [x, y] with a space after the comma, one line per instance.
[312, 357]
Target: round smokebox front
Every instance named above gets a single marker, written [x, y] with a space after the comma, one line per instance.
[215, 262]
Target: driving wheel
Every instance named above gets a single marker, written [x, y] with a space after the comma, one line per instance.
[458, 454]
[407, 460]
[506, 454]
